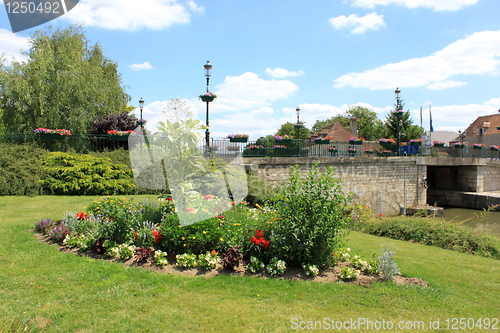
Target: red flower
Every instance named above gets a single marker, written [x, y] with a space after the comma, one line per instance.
[81, 216]
[266, 244]
[380, 214]
[157, 236]
[207, 197]
[169, 199]
[190, 209]
[259, 233]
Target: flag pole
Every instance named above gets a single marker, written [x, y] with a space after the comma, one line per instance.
[430, 123]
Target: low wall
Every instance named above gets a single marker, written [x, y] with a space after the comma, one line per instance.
[385, 184]
[461, 199]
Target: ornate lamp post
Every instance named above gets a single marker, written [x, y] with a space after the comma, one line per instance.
[398, 114]
[298, 131]
[208, 72]
[141, 104]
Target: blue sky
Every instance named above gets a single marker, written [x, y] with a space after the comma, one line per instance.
[269, 57]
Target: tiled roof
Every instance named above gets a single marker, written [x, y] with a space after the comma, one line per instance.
[494, 121]
[335, 130]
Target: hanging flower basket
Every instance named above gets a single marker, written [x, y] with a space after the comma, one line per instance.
[416, 142]
[50, 134]
[119, 135]
[238, 137]
[493, 147]
[369, 151]
[399, 113]
[460, 145]
[141, 122]
[208, 97]
[356, 141]
[438, 144]
[478, 145]
[297, 125]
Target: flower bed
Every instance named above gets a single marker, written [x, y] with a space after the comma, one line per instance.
[238, 137]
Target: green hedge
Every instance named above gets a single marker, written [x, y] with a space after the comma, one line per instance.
[72, 174]
[20, 171]
[435, 232]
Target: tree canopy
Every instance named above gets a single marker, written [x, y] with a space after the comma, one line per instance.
[288, 129]
[369, 126]
[64, 84]
[409, 130]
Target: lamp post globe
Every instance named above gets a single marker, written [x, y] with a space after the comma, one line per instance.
[141, 105]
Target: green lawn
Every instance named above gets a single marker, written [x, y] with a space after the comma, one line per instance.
[57, 292]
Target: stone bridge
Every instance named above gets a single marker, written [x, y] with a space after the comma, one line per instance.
[388, 184]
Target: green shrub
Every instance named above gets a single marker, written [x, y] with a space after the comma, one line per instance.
[71, 174]
[436, 232]
[20, 171]
[312, 222]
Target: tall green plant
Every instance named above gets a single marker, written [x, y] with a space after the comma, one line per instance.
[312, 221]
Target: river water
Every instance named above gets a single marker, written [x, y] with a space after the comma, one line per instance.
[490, 221]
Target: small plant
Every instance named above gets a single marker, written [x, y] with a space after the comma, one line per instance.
[276, 267]
[208, 260]
[143, 254]
[348, 273]
[43, 225]
[311, 270]
[125, 251]
[255, 265]
[186, 260]
[232, 258]
[160, 258]
[342, 255]
[58, 233]
[387, 265]
[359, 262]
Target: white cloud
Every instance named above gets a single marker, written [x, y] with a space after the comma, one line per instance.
[437, 5]
[477, 54]
[195, 8]
[360, 25]
[446, 85]
[281, 72]
[129, 14]
[11, 46]
[138, 67]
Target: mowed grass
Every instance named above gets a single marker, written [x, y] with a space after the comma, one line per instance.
[43, 289]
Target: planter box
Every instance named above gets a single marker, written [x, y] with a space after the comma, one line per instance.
[297, 125]
[207, 98]
[322, 142]
[369, 152]
[460, 147]
[415, 143]
[50, 136]
[360, 142]
[478, 147]
[238, 139]
[118, 137]
[439, 145]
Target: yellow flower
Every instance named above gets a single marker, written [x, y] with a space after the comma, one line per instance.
[180, 226]
[204, 232]
[182, 238]
[184, 244]
[244, 203]
[221, 239]
[236, 223]
[257, 205]
[194, 237]
[204, 210]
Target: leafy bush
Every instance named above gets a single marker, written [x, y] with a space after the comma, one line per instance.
[116, 121]
[198, 238]
[143, 254]
[436, 232]
[20, 171]
[312, 223]
[72, 174]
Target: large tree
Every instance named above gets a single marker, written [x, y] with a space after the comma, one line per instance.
[288, 129]
[409, 130]
[369, 126]
[65, 83]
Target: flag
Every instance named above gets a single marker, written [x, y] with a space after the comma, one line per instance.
[430, 118]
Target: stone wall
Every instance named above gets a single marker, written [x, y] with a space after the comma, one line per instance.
[385, 184]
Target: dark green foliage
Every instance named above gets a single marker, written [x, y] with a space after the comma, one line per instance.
[312, 222]
[288, 129]
[71, 174]
[435, 232]
[20, 172]
[409, 130]
[196, 238]
[118, 122]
